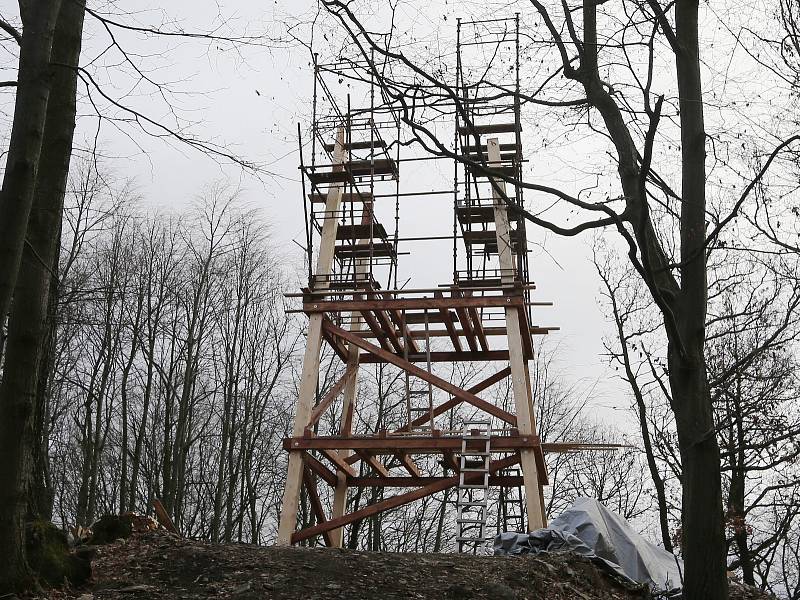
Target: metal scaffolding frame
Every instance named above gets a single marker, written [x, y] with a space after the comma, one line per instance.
[355, 305]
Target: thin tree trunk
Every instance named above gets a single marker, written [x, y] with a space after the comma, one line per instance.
[703, 532]
[40, 498]
[123, 478]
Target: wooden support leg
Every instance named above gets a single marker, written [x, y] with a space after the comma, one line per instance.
[535, 429]
[294, 473]
[519, 378]
[340, 494]
[310, 375]
[357, 323]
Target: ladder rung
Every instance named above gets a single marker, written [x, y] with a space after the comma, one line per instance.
[472, 521]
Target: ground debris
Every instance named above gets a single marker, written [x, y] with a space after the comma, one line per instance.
[160, 565]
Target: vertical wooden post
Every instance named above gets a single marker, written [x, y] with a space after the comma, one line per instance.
[310, 374]
[532, 408]
[519, 380]
[348, 403]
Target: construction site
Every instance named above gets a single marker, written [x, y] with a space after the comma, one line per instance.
[364, 306]
[346, 299]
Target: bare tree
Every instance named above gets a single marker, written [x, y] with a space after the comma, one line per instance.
[607, 73]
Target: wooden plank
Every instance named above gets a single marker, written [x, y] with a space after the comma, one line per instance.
[405, 482]
[360, 145]
[449, 461]
[162, 516]
[310, 374]
[453, 402]
[349, 400]
[518, 363]
[337, 387]
[548, 447]
[469, 332]
[354, 197]
[399, 304]
[333, 456]
[446, 356]
[361, 232]
[397, 319]
[423, 374]
[478, 328]
[414, 444]
[388, 329]
[338, 348]
[315, 465]
[316, 504]
[408, 464]
[488, 331]
[376, 329]
[398, 500]
[448, 323]
[373, 462]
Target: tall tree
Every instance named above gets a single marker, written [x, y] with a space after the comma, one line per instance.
[31, 205]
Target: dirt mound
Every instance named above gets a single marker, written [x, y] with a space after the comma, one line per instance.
[157, 564]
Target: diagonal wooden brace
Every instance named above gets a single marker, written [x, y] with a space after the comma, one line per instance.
[453, 402]
[320, 408]
[399, 500]
[416, 371]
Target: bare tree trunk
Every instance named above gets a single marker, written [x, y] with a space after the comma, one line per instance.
[40, 497]
[35, 119]
[703, 532]
[34, 79]
[123, 455]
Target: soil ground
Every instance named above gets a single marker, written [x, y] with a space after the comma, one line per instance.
[159, 565]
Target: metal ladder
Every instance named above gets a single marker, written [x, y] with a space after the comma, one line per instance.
[473, 495]
[414, 408]
[511, 505]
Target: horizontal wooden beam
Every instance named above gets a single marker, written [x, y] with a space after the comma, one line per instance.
[437, 333]
[444, 356]
[413, 304]
[406, 443]
[362, 482]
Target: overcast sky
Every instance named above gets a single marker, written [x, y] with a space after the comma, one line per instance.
[250, 100]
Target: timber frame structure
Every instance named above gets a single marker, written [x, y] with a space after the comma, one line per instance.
[484, 315]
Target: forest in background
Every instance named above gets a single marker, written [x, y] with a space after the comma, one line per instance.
[163, 364]
[174, 367]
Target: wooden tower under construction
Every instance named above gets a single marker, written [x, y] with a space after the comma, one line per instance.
[483, 315]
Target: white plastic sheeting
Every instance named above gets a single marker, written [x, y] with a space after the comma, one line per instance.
[590, 529]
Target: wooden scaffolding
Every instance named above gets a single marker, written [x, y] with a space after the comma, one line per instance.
[482, 316]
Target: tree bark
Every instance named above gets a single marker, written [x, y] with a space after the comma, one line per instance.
[34, 78]
[32, 200]
[703, 531]
[41, 494]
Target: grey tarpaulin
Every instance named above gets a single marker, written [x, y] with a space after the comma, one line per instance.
[590, 529]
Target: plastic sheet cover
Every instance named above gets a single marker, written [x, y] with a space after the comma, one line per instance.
[590, 529]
